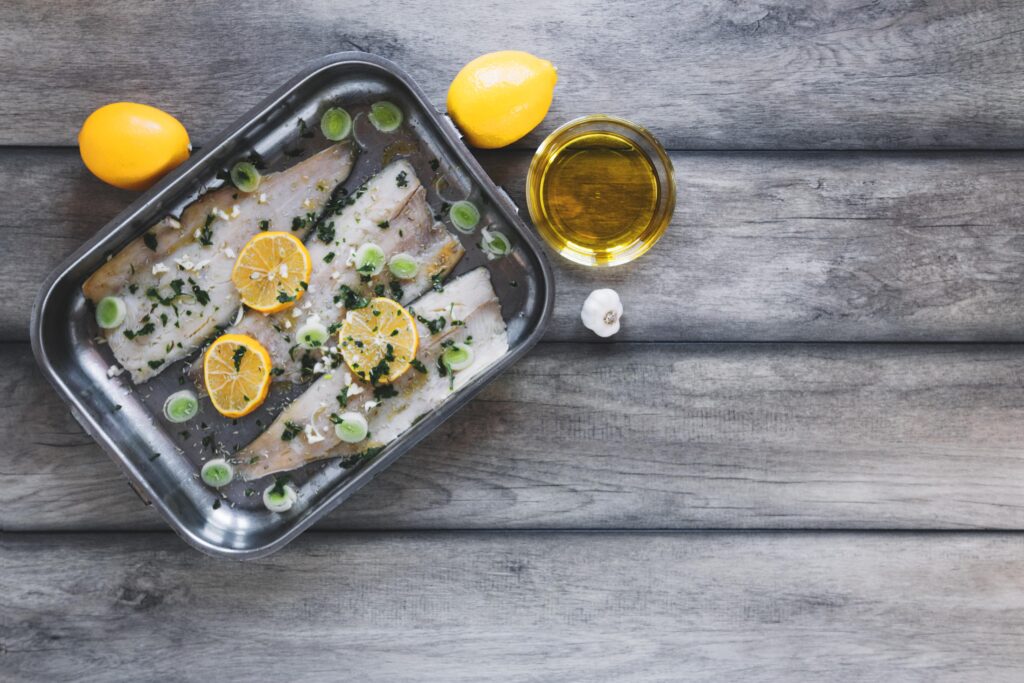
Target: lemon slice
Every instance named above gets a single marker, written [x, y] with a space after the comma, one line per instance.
[272, 272]
[379, 341]
[236, 370]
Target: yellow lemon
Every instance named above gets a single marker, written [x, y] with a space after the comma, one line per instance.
[272, 272]
[236, 370]
[501, 96]
[379, 341]
[131, 145]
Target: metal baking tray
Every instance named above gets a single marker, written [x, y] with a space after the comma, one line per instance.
[159, 459]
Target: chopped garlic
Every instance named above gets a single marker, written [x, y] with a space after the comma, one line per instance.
[312, 436]
[354, 390]
[235, 211]
[229, 252]
[287, 324]
[370, 405]
[296, 312]
[262, 199]
[174, 223]
[114, 371]
[159, 269]
[219, 213]
[284, 270]
[308, 203]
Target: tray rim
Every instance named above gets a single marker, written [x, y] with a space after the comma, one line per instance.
[182, 175]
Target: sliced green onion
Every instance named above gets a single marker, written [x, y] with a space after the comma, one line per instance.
[313, 334]
[495, 243]
[181, 406]
[280, 497]
[217, 472]
[464, 215]
[351, 427]
[336, 124]
[385, 116]
[245, 176]
[110, 312]
[457, 356]
[403, 266]
[370, 259]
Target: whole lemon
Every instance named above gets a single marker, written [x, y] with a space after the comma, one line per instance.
[132, 145]
[501, 96]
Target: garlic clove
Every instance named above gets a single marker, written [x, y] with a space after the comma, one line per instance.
[602, 312]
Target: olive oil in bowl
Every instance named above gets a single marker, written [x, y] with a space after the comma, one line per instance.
[601, 191]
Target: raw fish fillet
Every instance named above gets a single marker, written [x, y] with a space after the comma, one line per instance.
[391, 211]
[470, 299]
[176, 279]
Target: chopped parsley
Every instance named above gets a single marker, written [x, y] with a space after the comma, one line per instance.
[150, 240]
[352, 300]
[325, 232]
[300, 222]
[154, 364]
[418, 365]
[202, 296]
[237, 357]
[435, 282]
[206, 232]
[329, 257]
[291, 430]
[353, 460]
[384, 391]
[435, 325]
[402, 179]
[434, 164]
[284, 297]
[148, 328]
[384, 225]
[264, 224]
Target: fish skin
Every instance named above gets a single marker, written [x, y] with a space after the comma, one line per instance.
[304, 188]
[410, 229]
[475, 303]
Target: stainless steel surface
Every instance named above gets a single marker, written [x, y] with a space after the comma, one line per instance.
[161, 460]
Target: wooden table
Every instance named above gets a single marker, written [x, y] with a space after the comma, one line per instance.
[801, 457]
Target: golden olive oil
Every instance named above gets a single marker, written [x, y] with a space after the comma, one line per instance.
[597, 195]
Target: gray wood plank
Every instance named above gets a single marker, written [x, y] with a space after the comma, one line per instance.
[763, 247]
[636, 436]
[794, 74]
[531, 607]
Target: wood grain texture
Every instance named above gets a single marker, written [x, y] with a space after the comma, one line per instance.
[635, 437]
[763, 246]
[714, 74]
[531, 607]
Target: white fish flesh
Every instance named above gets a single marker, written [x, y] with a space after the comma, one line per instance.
[391, 211]
[176, 279]
[469, 299]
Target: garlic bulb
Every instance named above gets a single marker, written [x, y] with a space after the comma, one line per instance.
[602, 311]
